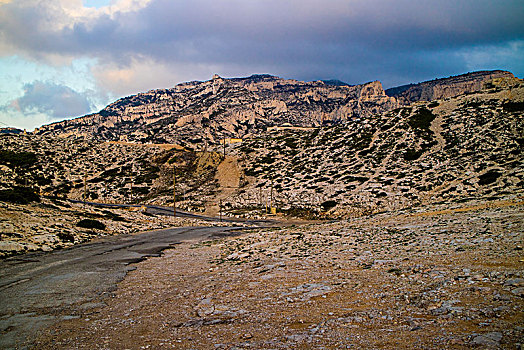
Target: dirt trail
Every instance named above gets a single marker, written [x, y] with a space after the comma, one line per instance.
[228, 177]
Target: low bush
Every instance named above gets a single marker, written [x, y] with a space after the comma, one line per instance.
[19, 195]
[421, 119]
[328, 205]
[91, 223]
[489, 177]
[17, 159]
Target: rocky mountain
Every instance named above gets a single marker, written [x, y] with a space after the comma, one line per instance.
[199, 112]
[446, 87]
[400, 158]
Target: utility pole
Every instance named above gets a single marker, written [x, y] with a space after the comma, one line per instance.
[85, 189]
[174, 191]
[271, 196]
[224, 140]
[220, 210]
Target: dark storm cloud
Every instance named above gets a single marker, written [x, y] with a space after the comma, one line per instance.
[356, 41]
[56, 101]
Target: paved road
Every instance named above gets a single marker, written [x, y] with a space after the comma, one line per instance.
[168, 211]
[39, 289]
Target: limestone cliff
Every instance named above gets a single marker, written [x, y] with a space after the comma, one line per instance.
[445, 87]
[199, 113]
[204, 111]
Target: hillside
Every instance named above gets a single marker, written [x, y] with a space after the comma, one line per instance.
[201, 113]
[445, 87]
[398, 158]
[197, 113]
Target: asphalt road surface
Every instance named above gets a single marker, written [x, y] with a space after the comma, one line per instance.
[39, 289]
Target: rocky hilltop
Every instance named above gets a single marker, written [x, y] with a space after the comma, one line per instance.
[446, 87]
[378, 156]
[200, 112]
[197, 113]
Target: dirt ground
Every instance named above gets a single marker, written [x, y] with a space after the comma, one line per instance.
[431, 278]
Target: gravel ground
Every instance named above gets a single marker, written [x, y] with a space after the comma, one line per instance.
[435, 278]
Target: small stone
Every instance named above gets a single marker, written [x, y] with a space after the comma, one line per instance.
[517, 282]
[518, 291]
[491, 339]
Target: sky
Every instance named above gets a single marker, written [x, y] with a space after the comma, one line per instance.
[61, 59]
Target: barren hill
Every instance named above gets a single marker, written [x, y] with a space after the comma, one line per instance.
[381, 158]
[445, 87]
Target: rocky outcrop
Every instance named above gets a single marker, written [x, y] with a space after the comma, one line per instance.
[401, 158]
[199, 113]
[445, 87]
[204, 111]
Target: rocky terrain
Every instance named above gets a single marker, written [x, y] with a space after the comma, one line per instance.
[198, 113]
[445, 87]
[376, 160]
[422, 187]
[446, 276]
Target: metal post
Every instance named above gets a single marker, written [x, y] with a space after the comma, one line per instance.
[174, 191]
[85, 190]
[271, 199]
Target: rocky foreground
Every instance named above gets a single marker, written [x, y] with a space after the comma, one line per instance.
[445, 276]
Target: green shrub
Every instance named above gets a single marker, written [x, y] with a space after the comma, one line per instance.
[19, 195]
[91, 223]
[489, 177]
[17, 159]
[66, 237]
[328, 205]
[412, 154]
[421, 119]
[513, 106]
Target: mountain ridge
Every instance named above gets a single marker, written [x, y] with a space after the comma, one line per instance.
[206, 111]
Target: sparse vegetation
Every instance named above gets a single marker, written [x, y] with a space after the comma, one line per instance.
[91, 224]
[19, 195]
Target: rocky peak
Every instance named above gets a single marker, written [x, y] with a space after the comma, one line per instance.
[445, 87]
[226, 107]
[201, 112]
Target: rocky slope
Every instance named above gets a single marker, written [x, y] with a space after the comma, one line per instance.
[468, 146]
[199, 112]
[408, 156]
[443, 151]
[446, 87]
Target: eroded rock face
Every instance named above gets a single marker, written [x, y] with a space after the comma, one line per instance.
[200, 112]
[226, 107]
[446, 87]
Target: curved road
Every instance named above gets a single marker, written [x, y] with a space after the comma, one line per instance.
[39, 289]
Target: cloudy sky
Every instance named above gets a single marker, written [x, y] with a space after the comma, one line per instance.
[64, 58]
